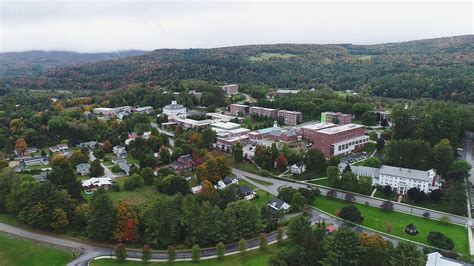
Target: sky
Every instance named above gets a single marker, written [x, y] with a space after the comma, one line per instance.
[105, 25]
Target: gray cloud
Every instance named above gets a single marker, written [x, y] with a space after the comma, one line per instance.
[107, 25]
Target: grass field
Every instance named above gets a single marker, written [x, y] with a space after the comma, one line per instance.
[268, 56]
[376, 219]
[442, 205]
[261, 182]
[24, 252]
[141, 196]
[250, 258]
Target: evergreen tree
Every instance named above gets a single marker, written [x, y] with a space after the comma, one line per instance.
[196, 253]
[407, 253]
[102, 216]
[121, 252]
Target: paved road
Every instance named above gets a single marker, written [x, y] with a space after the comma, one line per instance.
[107, 172]
[400, 207]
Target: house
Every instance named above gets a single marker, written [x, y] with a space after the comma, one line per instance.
[39, 160]
[278, 205]
[90, 145]
[120, 151]
[118, 160]
[125, 167]
[83, 168]
[41, 177]
[187, 160]
[196, 189]
[178, 167]
[436, 259]
[246, 192]
[227, 181]
[97, 182]
[28, 151]
[21, 167]
[298, 168]
[399, 178]
[59, 148]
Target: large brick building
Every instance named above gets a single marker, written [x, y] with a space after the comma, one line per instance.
[308, 131]
[231, 89]
[291, 117]
[239, 109]
[340, 140]
[261, 111]
[331, 117]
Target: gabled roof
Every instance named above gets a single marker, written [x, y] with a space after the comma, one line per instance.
[407, 173]
[227, 180]
[245, 190]
[83, 166]
[276, 203]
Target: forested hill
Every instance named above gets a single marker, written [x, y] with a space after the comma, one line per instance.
[440, 68]
[16, 64]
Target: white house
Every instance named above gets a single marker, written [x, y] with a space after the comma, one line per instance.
[298, 168]
[278, 205]
[97, 182]
[120, 151]
[246, 192]
[174, 109]
[400, 179]
[227, 181]
[59, 148]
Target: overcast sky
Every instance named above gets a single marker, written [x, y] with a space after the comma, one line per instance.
[92, 26]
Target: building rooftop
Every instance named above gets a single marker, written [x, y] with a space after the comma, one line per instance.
[289, 112]
[269, 129]
[318, 126]
[338, 129]
[287, 91]
[174, 105]
[408, 173]
[225, 125]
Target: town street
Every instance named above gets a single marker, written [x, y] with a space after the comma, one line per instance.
[400, 207]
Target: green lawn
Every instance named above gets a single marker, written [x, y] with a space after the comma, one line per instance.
[310, 175]
[141, 196]
[263, 196]
[250, 258]
[376, 219]
[322, 182]
[24, 252]
[261, 182]
[442, 205]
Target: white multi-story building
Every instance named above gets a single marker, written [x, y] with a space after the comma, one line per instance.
[174, 109]
[400, 179]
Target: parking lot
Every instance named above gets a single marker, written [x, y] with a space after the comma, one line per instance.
[354, 158]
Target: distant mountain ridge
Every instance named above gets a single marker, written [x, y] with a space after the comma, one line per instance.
[37, 62]
[441, 68]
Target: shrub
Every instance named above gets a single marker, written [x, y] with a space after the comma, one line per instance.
[146, 253]
[133, 182]
[331, 193]
[242, 245]
[352, 214]
[349, 197]
[387, 206]
[196, 253]
[439, 240]
[171, 253]
[220, 250]
[263, 242]
[387, 190]
[121, 252]
[445, 219]
[426, 214]
[115, 187]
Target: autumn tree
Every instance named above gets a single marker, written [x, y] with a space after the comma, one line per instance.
[407, 253]
[281, 163]
[21, 145]
[60, 219]
[202, 173]
[126, 226]
[376, 250]
[208, 189]
[107, 146]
